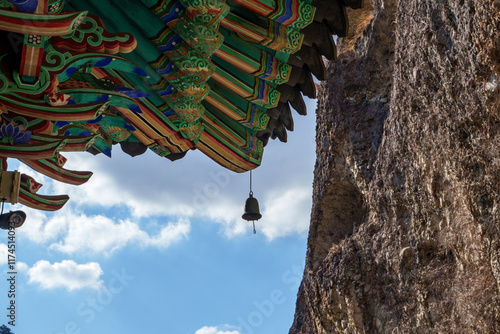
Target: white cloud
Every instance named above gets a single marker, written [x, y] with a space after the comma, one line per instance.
[225, 329]
[21, 267]
[170, 234]
[41, 228]
[66, 274]
[69, 232]
[99, 234]
[287, 213]
[4, 251]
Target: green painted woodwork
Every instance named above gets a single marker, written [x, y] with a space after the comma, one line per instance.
[6, 3]
[89, 32]
[305, 13]
[172, 75]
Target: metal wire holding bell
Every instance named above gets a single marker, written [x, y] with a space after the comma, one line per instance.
[252, 212]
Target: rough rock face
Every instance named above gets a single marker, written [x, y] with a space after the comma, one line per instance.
[405, 225]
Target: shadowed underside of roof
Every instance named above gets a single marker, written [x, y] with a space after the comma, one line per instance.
[168, 75]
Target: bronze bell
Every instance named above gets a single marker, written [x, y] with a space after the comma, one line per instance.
[252, 212]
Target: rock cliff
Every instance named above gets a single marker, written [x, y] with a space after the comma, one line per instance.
[405, 224]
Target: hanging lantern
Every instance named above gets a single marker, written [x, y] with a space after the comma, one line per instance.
[252, 212]
[13, 219]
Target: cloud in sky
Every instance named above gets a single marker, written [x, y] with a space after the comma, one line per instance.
[21, 266]
[225, 329]
[101, 234]
[66, 274]
[68, 232]
[4, 251]
[287, 213]
[41, 228]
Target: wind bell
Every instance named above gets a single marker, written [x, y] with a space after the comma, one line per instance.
[252, 212]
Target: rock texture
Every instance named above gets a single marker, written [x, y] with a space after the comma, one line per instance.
[405, 225]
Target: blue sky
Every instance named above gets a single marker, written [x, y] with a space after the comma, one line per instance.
[153, 246]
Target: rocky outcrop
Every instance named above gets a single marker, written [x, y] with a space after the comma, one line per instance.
[405, 228]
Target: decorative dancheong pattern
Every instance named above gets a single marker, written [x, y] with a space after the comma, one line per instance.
[168, 75]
